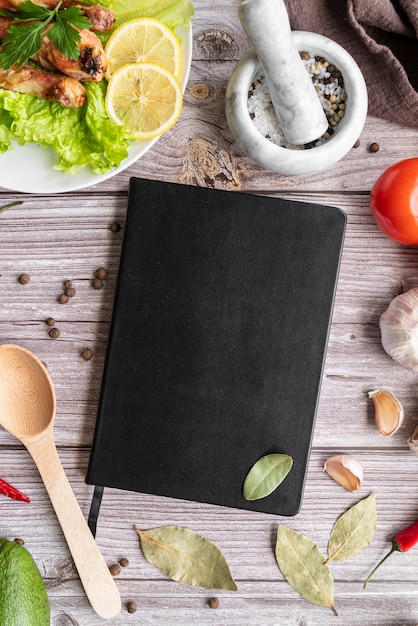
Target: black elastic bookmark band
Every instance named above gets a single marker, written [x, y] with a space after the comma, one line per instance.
[95, 509]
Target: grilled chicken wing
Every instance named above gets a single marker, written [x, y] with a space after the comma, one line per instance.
[90, 66]
[5, 23]
[101, 18]
[37, 82]
[13, 5]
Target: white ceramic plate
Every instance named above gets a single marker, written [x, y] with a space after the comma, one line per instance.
[28, 168]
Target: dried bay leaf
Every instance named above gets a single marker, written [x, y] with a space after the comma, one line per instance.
[9, 206]
[354, 530]
[186, 557]
[303, 566]
[266, 475]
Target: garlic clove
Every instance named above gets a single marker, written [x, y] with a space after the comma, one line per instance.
[413, 442]
[389, 412]
[345, 470]
[399, 329]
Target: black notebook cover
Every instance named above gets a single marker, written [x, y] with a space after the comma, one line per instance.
[217, 343]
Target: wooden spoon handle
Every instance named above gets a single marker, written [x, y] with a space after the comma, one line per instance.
[95, 576]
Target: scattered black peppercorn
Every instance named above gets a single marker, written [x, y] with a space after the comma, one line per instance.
[54, 333]
[374, 147]
[24, 279]
[20, 541]
[132, 607]
[70, 292]
[68, 283]
[115, 227]
[87, 354]
[97, 283]
[101, 273]
[50, 321]
[63, 299]
[357, 144]
[115, 569]
[214, 603]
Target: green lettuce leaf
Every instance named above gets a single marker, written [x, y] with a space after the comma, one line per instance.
[6, 134]
[172, 12]
[80, 137]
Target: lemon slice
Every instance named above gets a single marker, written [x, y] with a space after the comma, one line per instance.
[143, 40]
[145, 97]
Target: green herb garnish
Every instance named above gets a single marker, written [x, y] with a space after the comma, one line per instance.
[24, 37]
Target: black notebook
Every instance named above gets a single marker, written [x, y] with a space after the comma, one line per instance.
[217, 343]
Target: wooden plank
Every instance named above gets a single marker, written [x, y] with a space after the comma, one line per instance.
[247, 539]
[267, 604]
[199, 149]
[54, 240]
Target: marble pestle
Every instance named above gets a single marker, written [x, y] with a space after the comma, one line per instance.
[292, 93]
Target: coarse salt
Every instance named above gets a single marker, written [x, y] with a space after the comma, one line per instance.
[329, 85]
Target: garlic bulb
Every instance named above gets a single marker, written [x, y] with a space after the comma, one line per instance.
[389, 412]
[413, 442]
[345, 470]
[399, 329]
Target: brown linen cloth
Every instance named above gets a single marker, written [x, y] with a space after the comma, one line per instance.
[382, 36]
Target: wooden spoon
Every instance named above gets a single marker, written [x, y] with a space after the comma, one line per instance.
[27, 410]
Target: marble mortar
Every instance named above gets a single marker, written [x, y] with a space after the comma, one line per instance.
[289, 161]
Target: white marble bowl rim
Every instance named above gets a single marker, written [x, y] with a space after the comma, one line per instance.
[285, 160]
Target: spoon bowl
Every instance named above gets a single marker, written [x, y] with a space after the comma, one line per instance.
[27, 393]
[27, 411]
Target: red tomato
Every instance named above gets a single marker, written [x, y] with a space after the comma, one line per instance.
[394, 201]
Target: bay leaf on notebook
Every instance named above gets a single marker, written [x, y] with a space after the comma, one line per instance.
[185, 556]
[303, 566]
[266, 475]
[354, 530]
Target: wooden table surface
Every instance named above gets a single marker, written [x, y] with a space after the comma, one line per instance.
[59, 237]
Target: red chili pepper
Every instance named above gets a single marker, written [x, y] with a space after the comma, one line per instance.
[403, 541]
[12, 492]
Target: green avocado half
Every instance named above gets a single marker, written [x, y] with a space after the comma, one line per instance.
[23, 597]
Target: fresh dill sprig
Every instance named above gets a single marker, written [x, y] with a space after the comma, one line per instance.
[23, 39]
